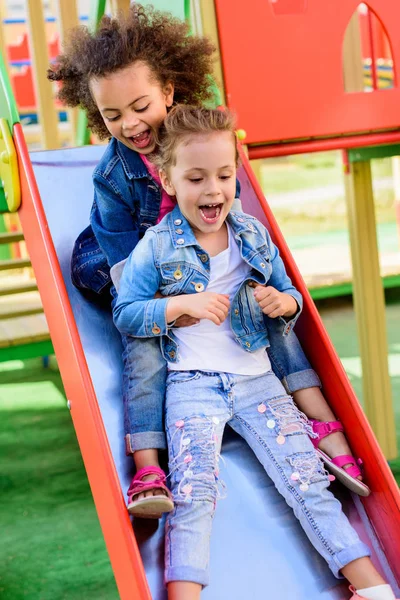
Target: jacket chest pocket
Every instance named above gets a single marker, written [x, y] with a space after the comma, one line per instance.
[262, 261]
[181, 278]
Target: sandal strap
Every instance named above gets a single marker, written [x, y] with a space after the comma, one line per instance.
[346, 459]
[138, 486]
[152, 470]
[323, 429]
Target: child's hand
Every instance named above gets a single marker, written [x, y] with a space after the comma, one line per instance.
[186, 321]
[274, 303]
[204, 305]
[208, 305]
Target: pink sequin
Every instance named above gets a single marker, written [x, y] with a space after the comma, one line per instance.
[179, 424]
[188, 458]
[187, 488]
[261, 408]
[331, 477]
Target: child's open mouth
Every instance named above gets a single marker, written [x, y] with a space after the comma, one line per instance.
[210, 212]
[142, 139]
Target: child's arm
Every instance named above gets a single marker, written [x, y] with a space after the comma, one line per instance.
[279, 298]
[113, 223]
[138, 313]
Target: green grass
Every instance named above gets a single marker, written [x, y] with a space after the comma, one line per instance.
[311, 171]
[51, 543]
[320, 170]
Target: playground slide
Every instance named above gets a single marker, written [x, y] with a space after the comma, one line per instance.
[258, 548]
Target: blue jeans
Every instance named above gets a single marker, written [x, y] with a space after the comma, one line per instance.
[145, 375]
[143, 392]
[288, 361]
[198, 406]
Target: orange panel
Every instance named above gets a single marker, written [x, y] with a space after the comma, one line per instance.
[103, 479]
[283, 68]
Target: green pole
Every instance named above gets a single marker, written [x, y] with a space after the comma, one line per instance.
[97, 10]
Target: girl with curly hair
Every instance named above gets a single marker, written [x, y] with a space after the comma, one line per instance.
[126, 76]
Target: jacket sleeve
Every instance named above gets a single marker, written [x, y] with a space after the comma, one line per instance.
[281, 281]
[114, 223]
[136, 312]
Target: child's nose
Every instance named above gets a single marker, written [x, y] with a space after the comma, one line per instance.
[213, 188]
[129, 123]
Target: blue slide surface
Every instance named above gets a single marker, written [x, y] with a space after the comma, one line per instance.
[258, 548]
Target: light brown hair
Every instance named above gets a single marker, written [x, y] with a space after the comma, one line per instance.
[183, 122]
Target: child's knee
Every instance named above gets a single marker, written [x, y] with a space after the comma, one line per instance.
[194, 458]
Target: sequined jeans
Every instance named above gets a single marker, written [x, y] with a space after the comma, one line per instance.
[198, 406]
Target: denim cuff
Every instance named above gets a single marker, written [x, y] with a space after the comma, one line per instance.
[300, 381]
[199, 576]
[144, 441]
[346, 556]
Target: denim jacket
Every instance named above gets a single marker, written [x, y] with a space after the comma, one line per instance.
[170, 260]
[126, 203]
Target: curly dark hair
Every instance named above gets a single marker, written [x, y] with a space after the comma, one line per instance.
[143, 34]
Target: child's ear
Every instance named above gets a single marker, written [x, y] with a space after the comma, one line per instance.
[169, 94]
[165, 182]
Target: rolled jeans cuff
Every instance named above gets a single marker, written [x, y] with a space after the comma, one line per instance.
[301, 380]
[346, 556]
[144, 441]
[191, 574]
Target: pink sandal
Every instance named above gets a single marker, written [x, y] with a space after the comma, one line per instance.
[346, 476]
[150, 507]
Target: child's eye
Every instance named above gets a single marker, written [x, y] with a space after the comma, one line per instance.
[111, 119]
[223, 177]
[196, 179]
[139, 110]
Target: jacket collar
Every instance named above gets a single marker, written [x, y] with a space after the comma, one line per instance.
[132, 164]
[182, 234]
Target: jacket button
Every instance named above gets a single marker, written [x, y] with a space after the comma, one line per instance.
[236, 311]
[203, 257]
[199, 287]
[178, 274]
[178, 222]
[247, 344]
[240, 220]
[179, 231]
[156, 330]
[180, 241]
[172, 354]
[262, 265]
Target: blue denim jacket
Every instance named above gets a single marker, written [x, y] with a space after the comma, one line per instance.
[126, 203]
[170, 260]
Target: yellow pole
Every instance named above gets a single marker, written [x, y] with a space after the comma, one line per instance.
[369, 303]
[210, 29]
[67, 15]
[119, 5]
[48, 117]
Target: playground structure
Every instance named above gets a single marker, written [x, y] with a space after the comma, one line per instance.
[90, 370]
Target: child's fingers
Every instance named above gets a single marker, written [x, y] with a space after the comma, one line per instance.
[224, 299]
[212, 317]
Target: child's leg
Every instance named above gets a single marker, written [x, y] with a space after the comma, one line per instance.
[292, 368]
[143, 397]
[183, 590]
[196, 412]
[276, 431]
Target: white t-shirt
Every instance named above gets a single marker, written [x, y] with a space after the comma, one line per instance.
[210, 347]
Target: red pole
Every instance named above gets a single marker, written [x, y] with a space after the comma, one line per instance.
[372, 47]
[337, 143]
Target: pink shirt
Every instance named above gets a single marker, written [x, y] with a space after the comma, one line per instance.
[167, 202]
